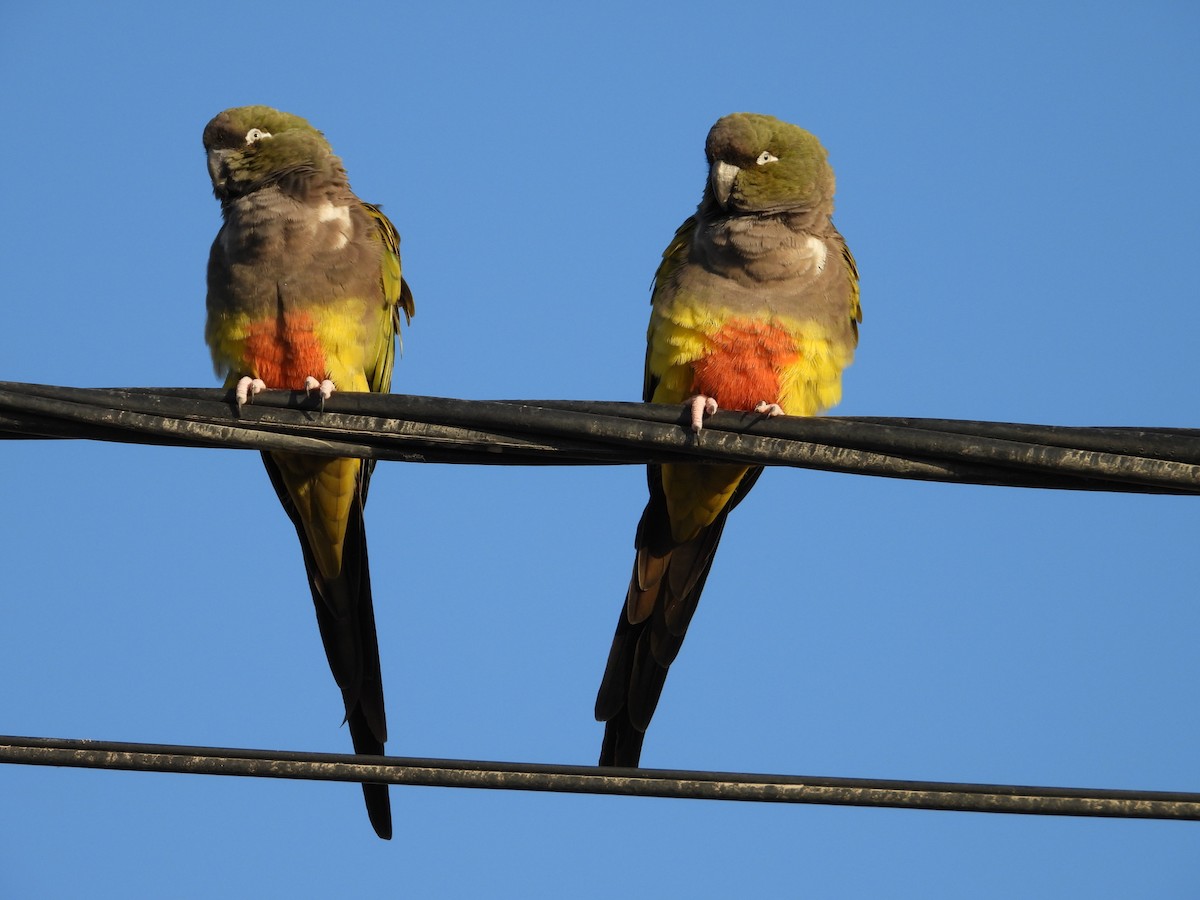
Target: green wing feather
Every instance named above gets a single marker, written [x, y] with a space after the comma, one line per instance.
[397, 298]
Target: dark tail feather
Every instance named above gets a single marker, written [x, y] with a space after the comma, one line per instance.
[622, 744]
[637, 668]
[346, 618]
[643, 651]
[379, 807]
[367, 720]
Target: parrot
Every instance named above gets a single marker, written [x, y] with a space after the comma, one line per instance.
[754, 307]
[305, 293]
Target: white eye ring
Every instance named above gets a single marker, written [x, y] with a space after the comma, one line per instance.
[256, 134]
[766, 157]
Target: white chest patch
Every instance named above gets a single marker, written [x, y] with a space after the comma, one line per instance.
[338, 217]
[818, 250]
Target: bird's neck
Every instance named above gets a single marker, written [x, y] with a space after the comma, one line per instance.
[765, 247]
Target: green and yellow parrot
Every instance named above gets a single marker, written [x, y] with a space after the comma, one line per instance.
[754, 307]
[305, 293]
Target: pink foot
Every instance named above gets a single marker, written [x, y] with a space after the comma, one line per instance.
[769, 409]
[701, 406]
[324, 388]
[247, 387]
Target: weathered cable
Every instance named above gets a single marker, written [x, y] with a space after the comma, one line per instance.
[994, 798]
[556, 432]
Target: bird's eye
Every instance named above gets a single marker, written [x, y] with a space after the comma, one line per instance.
[766, 157]
[256, 134]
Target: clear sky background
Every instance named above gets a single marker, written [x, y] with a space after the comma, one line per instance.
[1020, 185]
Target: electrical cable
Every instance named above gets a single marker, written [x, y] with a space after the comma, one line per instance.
[994, 798]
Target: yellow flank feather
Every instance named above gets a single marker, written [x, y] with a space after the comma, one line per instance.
[814, 383]
[226, 336]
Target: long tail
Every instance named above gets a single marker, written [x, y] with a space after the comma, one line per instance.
[346, 617]
[664, 590]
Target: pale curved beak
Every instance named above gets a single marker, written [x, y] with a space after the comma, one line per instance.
[721, 176]
[216, 169]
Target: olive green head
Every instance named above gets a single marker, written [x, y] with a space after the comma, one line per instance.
[250, 147]
[761, 164]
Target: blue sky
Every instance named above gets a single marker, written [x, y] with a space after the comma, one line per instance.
[1020, 188]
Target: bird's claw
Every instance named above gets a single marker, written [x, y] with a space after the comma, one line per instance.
[323, 388]
[701, 406]
[247, 388]
[769, 409]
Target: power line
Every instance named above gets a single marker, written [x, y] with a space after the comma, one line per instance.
[995, 798]
[558, 432]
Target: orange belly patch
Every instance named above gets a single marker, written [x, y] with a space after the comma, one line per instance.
[284, 351]
[742, 366]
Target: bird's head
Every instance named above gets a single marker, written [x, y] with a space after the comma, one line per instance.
[250, 147]
[759, 164]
